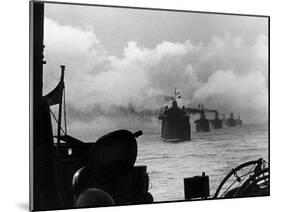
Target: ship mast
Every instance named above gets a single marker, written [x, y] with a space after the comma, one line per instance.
[60, 109]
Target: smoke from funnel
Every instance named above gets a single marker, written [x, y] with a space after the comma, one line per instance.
[106, 92]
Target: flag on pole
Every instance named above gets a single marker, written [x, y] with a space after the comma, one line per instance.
[55, 96]
[177, 94]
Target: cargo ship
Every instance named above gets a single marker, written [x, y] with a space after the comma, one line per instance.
[216, 123]
[239, 121]
[202, 124]
[232, 122]
[175, 122]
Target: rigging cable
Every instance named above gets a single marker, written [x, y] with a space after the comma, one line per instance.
[56, 120]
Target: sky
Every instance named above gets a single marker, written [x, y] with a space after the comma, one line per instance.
[121, 63]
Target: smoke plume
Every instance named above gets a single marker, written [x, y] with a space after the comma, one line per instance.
[106, 92]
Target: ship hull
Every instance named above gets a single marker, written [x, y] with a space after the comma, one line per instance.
[231, 123]
[217, 124]
[176, 130]
[202, 125]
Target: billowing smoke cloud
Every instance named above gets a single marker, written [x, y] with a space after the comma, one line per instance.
[105, 92]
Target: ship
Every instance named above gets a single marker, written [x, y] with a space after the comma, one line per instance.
[230, 122]
[239, 121]
[202, 124]
[175, 122]
[216, 123]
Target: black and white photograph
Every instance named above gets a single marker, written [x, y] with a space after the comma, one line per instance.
[137, 106]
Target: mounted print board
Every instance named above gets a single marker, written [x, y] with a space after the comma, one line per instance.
[140, 106]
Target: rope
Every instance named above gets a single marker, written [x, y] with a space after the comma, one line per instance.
[56, 120]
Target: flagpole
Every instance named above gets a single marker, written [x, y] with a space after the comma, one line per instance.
[64, 112]
[60, 110]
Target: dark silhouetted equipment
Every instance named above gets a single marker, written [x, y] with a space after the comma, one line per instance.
[70, 153]
[114, 152]
[246, 180]
[111, 168]
[53, 164]
[197, 187]
[43, 188]
[94, 197]
[130, 187]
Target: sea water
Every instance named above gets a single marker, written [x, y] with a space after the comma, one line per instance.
[215, 153]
